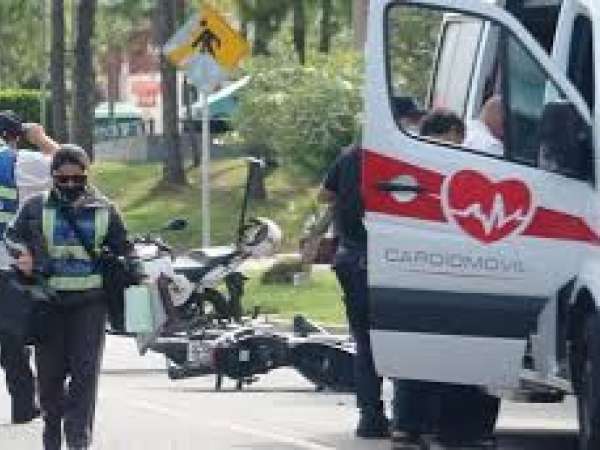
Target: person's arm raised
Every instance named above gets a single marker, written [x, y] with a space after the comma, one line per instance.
[36, 135]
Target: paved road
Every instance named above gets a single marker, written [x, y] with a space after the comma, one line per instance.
[140, 409]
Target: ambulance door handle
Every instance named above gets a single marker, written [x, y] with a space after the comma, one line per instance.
[394, 186]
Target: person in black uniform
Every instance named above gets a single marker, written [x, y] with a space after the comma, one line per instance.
[47, 226]
[341, 188]
[14, 359]
[14, 355]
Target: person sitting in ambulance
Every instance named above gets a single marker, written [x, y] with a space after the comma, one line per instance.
[407, 114]
[564, 141]
[443, 126]
[487, 133]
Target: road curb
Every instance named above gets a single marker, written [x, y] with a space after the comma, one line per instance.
[286, 325]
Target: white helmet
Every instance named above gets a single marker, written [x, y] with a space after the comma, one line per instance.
[261, 237]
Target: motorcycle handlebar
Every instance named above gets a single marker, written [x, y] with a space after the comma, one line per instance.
[162, 246]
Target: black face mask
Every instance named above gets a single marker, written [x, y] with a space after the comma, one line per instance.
[70, 193]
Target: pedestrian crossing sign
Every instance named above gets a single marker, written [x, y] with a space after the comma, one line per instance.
[207, 33]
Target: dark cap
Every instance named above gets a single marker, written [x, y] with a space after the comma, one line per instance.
[70, 154]
[11, 126]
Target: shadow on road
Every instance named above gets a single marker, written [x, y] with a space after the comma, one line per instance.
[550, 441]
[232, 390]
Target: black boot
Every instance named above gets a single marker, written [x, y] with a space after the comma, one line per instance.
[373, 424]
[22, 419]
[402, 440]
[23, 411]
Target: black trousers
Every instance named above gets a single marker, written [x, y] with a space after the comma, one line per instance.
[350, 268]
[68, 369]
[14, 359]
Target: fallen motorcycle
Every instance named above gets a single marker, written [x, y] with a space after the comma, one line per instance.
[195, 278]
[243, 352]
[203, 287]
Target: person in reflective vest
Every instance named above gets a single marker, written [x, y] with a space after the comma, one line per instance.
[8, 188]
[22, 172]
[56, 228]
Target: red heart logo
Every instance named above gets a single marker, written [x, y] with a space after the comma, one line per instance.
[489, 211]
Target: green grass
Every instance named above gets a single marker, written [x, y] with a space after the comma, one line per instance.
[147, 204]
[319, 298]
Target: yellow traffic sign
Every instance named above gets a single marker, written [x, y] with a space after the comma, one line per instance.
[207, 33]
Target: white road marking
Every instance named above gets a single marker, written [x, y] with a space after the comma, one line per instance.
[237, 428]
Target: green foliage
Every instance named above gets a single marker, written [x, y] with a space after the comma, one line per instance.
[21, 53]
[148, 205]
[412, 45]
[25, 102]
[318, 298]
[117, 19]
[283, 270]
[301, 114]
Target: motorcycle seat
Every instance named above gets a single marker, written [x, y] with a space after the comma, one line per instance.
[208, 254]
[195, 265]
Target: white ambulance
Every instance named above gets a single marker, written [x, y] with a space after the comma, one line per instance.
[484, 262]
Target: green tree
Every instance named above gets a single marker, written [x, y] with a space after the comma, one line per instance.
[21, 52]
[412, 43]
[117, 21]
[266, 16]
[301, 115]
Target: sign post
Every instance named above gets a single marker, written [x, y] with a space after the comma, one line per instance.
[206, 47]
[205, 170]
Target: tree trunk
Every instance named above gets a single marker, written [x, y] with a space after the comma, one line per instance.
[326, 26]
[173, 171]
[300, 30]
[257, 187]
[261, 36]
[191, 126]
[244, 28]
[83, 115]
[57, 73]
[360, 14]
[83, 76]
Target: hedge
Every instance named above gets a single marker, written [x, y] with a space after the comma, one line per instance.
[26, 103]
[301, 114]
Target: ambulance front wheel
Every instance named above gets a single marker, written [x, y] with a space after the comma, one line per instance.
[587, 383]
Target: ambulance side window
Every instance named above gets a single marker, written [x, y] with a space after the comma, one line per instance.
[581, 59]
[523, 117]
[541, 127]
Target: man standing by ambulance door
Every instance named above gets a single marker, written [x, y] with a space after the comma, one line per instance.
[341, 188]
[22, 173]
